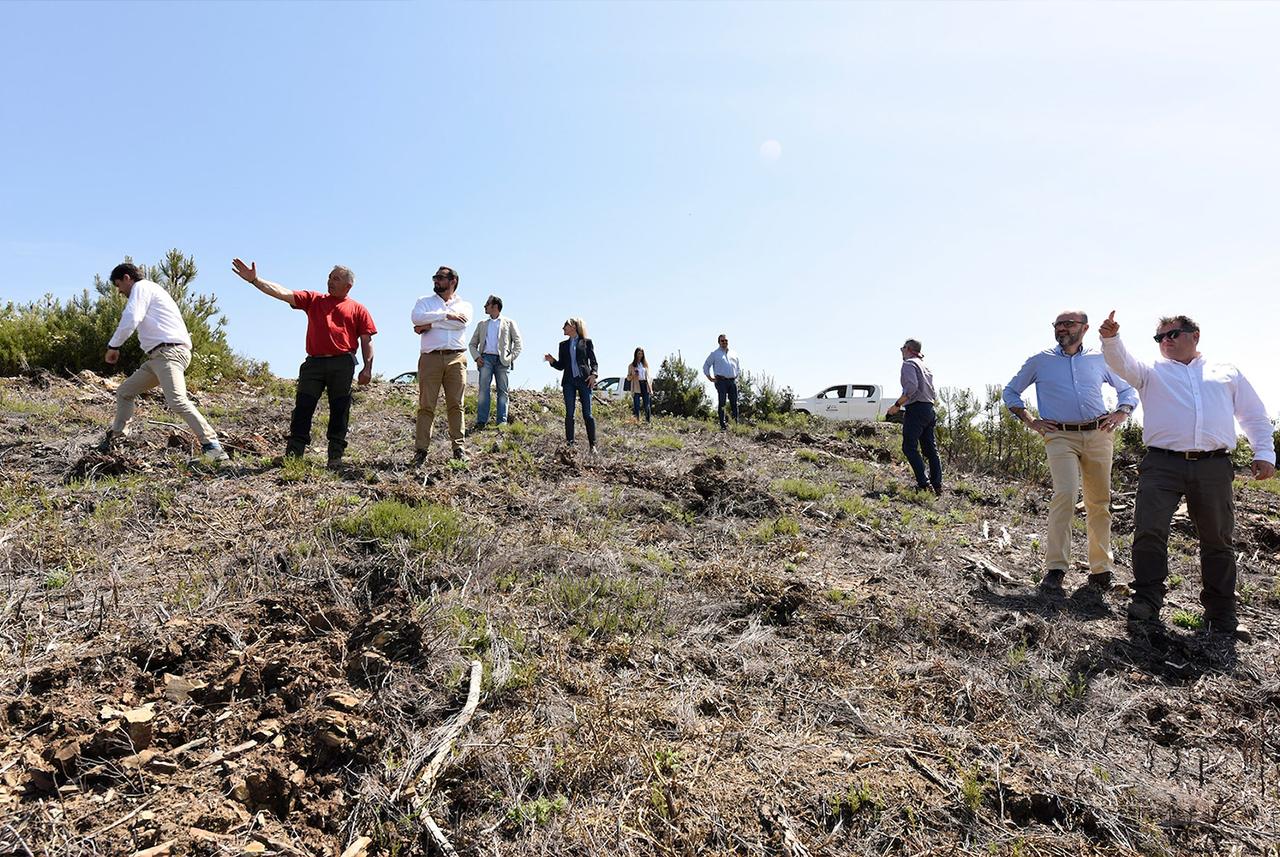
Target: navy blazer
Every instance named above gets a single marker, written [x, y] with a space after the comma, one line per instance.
[587, 364]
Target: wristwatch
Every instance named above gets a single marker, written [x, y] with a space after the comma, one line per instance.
[1128, 409]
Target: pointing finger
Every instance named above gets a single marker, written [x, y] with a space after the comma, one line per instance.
[1112, 317]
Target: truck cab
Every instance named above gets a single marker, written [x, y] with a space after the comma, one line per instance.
[846, 402]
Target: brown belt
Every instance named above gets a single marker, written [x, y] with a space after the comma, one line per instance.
[446, 351]
[1089, 426]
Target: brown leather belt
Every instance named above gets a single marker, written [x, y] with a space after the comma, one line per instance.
[1089, 426]
[446, 351]
[1192, 454]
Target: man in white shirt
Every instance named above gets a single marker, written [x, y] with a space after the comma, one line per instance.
[722, 369]
[441, 318]
[163, 336]
[495, 345]
[1190, 407]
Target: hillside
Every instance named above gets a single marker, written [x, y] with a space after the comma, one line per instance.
[748, 643]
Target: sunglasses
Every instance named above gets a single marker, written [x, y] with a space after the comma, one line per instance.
[442, 277]
[1058, 324]
[1171, 334]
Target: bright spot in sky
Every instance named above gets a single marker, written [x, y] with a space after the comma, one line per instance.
[770, 150]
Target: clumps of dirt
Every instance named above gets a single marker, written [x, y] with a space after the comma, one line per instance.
[722, 493]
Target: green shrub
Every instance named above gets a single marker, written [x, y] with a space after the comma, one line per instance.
[678, 390]
[802, 489]
[759, 398]
[429, 526]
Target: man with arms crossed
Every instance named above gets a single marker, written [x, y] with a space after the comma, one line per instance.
[1079, 441]
[441, 318]
[495, 345]
[335, 323]
[163, 336]
[1190, 407]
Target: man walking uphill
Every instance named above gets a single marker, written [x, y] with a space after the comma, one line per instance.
[335, 324]
[920, 419]
[1079, 439]
[163, 336]
[441, 318]
[1190, 407]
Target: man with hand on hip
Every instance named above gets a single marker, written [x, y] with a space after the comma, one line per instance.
[1190, 407]
[1079, 435]
[723, 369]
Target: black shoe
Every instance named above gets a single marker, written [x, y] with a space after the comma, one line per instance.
[334, 464]
[1100, 582]
[1143, 611]
[459, 454]
[1230, 628]
[110, 443]
[419, 457]
[1053, 578]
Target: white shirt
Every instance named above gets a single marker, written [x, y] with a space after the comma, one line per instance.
[445, 333]
[151, 311]
[491, 336]
[1193, 406]
[642, 374]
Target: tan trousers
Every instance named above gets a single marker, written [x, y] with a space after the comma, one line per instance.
[436, 370]
[165, 368]
[1072, 455]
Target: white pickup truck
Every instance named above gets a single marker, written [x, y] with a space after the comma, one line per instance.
[846, 402]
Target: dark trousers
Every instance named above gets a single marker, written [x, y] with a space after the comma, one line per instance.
[578, 389]
[315, 376]
[726, 388]
[918, 423]
[641, 392]
[1163, 480]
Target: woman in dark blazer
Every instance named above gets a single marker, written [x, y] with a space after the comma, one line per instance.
[578, 367]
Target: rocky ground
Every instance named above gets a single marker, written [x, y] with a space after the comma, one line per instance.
[750, 643]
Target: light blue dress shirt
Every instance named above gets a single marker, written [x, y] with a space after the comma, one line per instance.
[1068, 387]
[573, 355]
[722, 363]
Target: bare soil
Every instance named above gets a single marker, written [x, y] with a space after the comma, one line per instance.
[682, 651]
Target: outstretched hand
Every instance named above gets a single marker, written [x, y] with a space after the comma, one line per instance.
[248, 273]
[1110, 327]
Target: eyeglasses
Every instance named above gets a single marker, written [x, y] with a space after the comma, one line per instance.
[1072, 323]
[1171, 334]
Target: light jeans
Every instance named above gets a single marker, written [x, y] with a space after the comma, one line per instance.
[1072, 456]
[164, 368]
[491, 370]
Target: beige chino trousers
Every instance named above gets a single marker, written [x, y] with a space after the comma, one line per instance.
[436, 370]
[1073, 456]
[165, 368]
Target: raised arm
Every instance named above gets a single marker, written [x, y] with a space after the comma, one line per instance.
[1118, 357]
[249, 273]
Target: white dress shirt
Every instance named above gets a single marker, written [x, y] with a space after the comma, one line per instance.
[491, 336]
[445, 333]
[151, 311]
[1193, 406]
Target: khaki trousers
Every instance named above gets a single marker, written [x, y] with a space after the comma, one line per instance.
[436, 370]
[165, 368]
[1073, 455]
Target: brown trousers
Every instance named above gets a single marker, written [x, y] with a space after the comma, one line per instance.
[436, 370]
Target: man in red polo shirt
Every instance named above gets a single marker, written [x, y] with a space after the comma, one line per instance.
[335, 323]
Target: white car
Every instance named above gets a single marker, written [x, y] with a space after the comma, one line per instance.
[609, 388]
[846, 402]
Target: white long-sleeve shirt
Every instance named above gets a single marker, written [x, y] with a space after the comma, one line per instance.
[445, 333]
[150, 311]
[1193, 406]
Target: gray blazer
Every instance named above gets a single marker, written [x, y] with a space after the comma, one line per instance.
[509, 344]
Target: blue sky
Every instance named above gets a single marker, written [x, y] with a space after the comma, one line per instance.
[955, 172]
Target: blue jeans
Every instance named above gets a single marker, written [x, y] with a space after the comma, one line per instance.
[917, 434]
[578, 388]
[726, 388]
[641, 391]
[491, 369]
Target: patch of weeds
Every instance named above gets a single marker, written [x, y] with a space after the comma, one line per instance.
[678, 514]
[1186, 619]
[854, 507]
[538, 811]
[429, 526]
[808, 455]
[841, 596]
[1009, 492]
[297, 469]
[57, 579]
[973, 785]
[857, 800]
[472, 627]
[1074, 688]
[854, 466]
[596, 607]
[802, 489]
[1246, 592]
[666, 761]
[665, 441]
[1176, 580]
[784, 526]
[187, 593]
[457, 465]
[1017, 656]
[522, 430]
[906, 517]
[652, 557]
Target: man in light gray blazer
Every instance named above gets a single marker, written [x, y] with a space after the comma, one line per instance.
[495, 345]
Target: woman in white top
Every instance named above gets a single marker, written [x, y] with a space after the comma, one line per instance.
[638, 378]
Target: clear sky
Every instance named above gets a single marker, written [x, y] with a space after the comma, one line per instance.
[818, 181]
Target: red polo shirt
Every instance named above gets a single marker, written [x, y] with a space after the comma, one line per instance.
[334, 325]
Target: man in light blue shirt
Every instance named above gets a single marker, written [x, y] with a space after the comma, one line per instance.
[722, 369]
[1078, 428]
